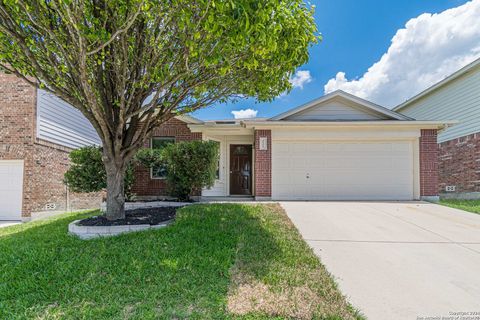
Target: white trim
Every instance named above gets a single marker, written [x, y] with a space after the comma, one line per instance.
[220, 165]
[188, 119]
[339, 93]
[340, 124]
[12, 161]
[220, 129]
[439, 84]
[416, 169]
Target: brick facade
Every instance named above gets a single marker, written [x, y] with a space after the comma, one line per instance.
[44, 162]
[144, 186]
[263, 165]
[459, 164]
[428, 163]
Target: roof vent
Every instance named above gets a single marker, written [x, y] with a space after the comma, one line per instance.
[225, 122]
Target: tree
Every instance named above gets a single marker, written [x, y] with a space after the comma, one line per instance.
[130, 65]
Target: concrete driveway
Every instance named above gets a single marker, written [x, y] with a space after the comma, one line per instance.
[396, 260]
[4, 224]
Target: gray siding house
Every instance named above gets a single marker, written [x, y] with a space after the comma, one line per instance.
[37, 132]
[457, 97]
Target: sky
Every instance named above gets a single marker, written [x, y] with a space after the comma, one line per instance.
[382, 51]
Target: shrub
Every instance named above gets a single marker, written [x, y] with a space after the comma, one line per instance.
[150, 157]
[87, 172]
[191, 166]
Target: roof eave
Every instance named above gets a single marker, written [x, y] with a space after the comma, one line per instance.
[380, 123]
[439, 84]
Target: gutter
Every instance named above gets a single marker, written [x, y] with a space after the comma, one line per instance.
[427, 124]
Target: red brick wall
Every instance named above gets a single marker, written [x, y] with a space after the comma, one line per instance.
[50, 162]
[459, 164]
[263, 165]
[144, 186]
[44, 163]
[428, 163]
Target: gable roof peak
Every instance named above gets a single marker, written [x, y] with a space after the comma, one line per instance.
[368, 105]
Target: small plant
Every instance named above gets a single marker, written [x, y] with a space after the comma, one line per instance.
[87, 172]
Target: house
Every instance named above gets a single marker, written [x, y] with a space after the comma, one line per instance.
[337, 147]
[37, 132]
[455, 97]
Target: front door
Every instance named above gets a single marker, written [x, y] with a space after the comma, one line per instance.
[240, 169]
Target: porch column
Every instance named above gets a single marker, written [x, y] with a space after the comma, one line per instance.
[263, 164]
[429, 165]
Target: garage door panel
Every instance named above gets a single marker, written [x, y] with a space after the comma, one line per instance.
[342, 170]
[11, 189]
[291, 178]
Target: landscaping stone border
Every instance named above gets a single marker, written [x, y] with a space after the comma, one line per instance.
[148, 204]
[90, 232]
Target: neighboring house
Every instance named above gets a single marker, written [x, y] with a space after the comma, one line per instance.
[456, 97]
[37, 131]
[338, 147]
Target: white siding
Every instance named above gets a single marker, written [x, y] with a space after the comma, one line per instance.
[334, 110]
[456, 100]
[59, 122]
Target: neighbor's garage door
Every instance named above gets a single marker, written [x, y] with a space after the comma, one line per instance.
[342, 170]
[11, 189]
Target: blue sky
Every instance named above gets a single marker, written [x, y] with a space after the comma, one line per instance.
[356, 36]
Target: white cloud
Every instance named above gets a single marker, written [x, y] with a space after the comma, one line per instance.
[429, 48]
[244, 113]
[300, 78]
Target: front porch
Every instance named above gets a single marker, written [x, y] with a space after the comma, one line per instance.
[244, 168]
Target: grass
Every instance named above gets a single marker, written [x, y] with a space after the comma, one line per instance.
[467, 205]
[220, 261]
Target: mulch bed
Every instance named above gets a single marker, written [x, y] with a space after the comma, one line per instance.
[151, 216]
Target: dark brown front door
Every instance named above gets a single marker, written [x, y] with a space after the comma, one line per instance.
[240, 169]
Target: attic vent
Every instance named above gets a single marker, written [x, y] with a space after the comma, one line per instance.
[225, 122]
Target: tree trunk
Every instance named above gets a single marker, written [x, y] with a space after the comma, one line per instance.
[115, 190]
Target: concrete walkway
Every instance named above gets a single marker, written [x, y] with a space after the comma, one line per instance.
[4, 224]
[396, 260]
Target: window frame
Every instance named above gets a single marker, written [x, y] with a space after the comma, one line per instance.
[173, 139]
[220, 164]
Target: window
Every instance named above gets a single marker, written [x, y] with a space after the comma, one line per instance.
[217, 173]
[160, 172]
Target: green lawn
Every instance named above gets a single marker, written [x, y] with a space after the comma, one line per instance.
[222, 261]
[467, 205]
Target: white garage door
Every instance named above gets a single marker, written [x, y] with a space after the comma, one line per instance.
[11, 189]
[342, 170]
